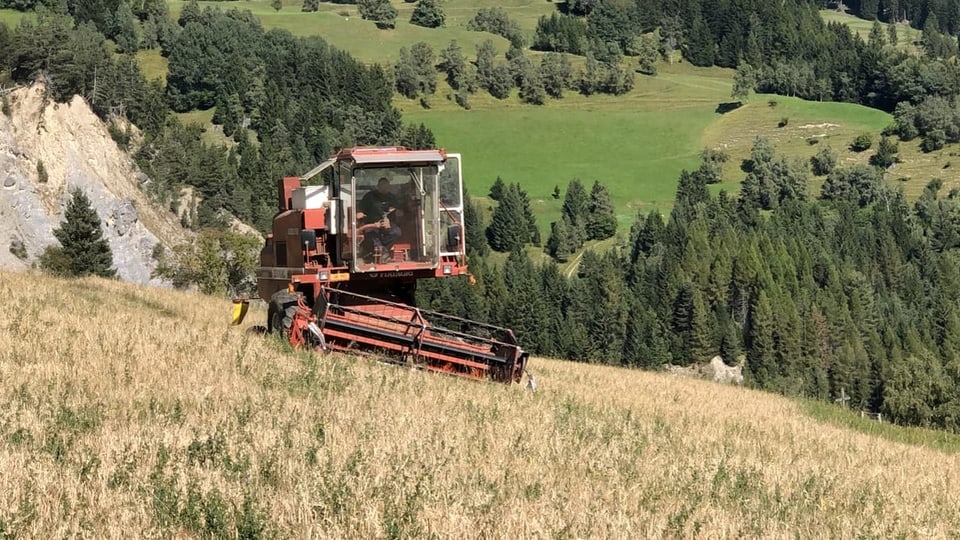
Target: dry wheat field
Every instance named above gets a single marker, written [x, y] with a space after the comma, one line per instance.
[138, 412]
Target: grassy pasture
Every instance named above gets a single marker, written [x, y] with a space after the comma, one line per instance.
[907, 36]
[341, 25]
[145, 415]
[153, 64]
[825, 124]
[12, 17]
[635, 144]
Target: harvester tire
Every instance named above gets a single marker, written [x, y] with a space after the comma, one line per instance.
[280, 313]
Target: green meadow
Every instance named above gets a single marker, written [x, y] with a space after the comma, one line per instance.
[11, 17]
[907, 37]
[636, 144]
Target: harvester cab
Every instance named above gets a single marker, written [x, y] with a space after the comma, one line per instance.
[348, 244]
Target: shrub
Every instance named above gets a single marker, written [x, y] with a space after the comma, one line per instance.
[428, 14]
[42, 176]
[823, 162]
[862, 142]
[18, 249]
[933, 141]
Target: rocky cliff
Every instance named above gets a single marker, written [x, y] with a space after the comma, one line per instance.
[75, 150]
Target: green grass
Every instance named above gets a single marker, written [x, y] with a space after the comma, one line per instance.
[152, 64]
[827, 123]
[907, 37]
[341, 25]
[635, 144]
[845, 418]
[11, 17]
[212, 134]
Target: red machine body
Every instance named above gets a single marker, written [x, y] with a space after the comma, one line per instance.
[333, 282]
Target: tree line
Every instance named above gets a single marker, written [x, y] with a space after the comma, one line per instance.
[851, 289]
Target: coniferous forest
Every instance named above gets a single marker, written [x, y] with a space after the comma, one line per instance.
[851, 289]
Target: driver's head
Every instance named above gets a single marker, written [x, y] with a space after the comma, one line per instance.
[383, 185]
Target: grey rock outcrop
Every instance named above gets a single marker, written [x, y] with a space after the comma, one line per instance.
[77, 153]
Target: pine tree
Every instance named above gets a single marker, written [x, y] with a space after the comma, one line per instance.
[191, 13]
[473, 223]
[761, 362]
[497, 189]
[601, 220]
[83, 246]
[575, 208]
[509, 229]
[560, 243]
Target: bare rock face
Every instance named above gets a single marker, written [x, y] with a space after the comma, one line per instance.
[720, 372]
[124, 217]
[716, 370]
[76, 151]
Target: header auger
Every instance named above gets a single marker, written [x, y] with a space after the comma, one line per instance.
[340, 267]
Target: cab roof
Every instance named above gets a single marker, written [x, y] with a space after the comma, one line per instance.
[390, 154]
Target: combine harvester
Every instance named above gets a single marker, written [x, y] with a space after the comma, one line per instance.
[351, 239]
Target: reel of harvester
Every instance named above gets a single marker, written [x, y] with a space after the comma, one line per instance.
[399, 334]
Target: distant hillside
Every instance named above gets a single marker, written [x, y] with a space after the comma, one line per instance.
[142, 413]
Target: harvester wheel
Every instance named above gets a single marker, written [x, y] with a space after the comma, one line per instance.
[280, 313]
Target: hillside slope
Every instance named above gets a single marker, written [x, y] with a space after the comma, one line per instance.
[129, 411]
[76, 151]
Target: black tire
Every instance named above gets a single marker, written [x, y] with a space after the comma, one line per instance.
[283, 305]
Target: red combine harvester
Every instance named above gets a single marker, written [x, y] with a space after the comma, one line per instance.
[350, 241]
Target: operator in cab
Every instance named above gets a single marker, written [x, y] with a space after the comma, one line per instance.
[381, 207]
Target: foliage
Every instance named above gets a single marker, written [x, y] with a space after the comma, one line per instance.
[824, 161]
[414, 72]
[601, 220]
[512, 224]
[862, 142]
[770, 182]
[859, 185]
[217, 262]
[560, 33]
[886, 154]
[428, 13]
[379, 11]
[83, 250]
[497, 189]
[496, 21]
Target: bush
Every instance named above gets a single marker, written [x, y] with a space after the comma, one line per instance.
[18, 249]
[54, 261]
[886, 153]
[42, 176]
[428, 14]
[823, 162]
[935, 140]
[120, 135]
[862, 142]
[496, 21]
